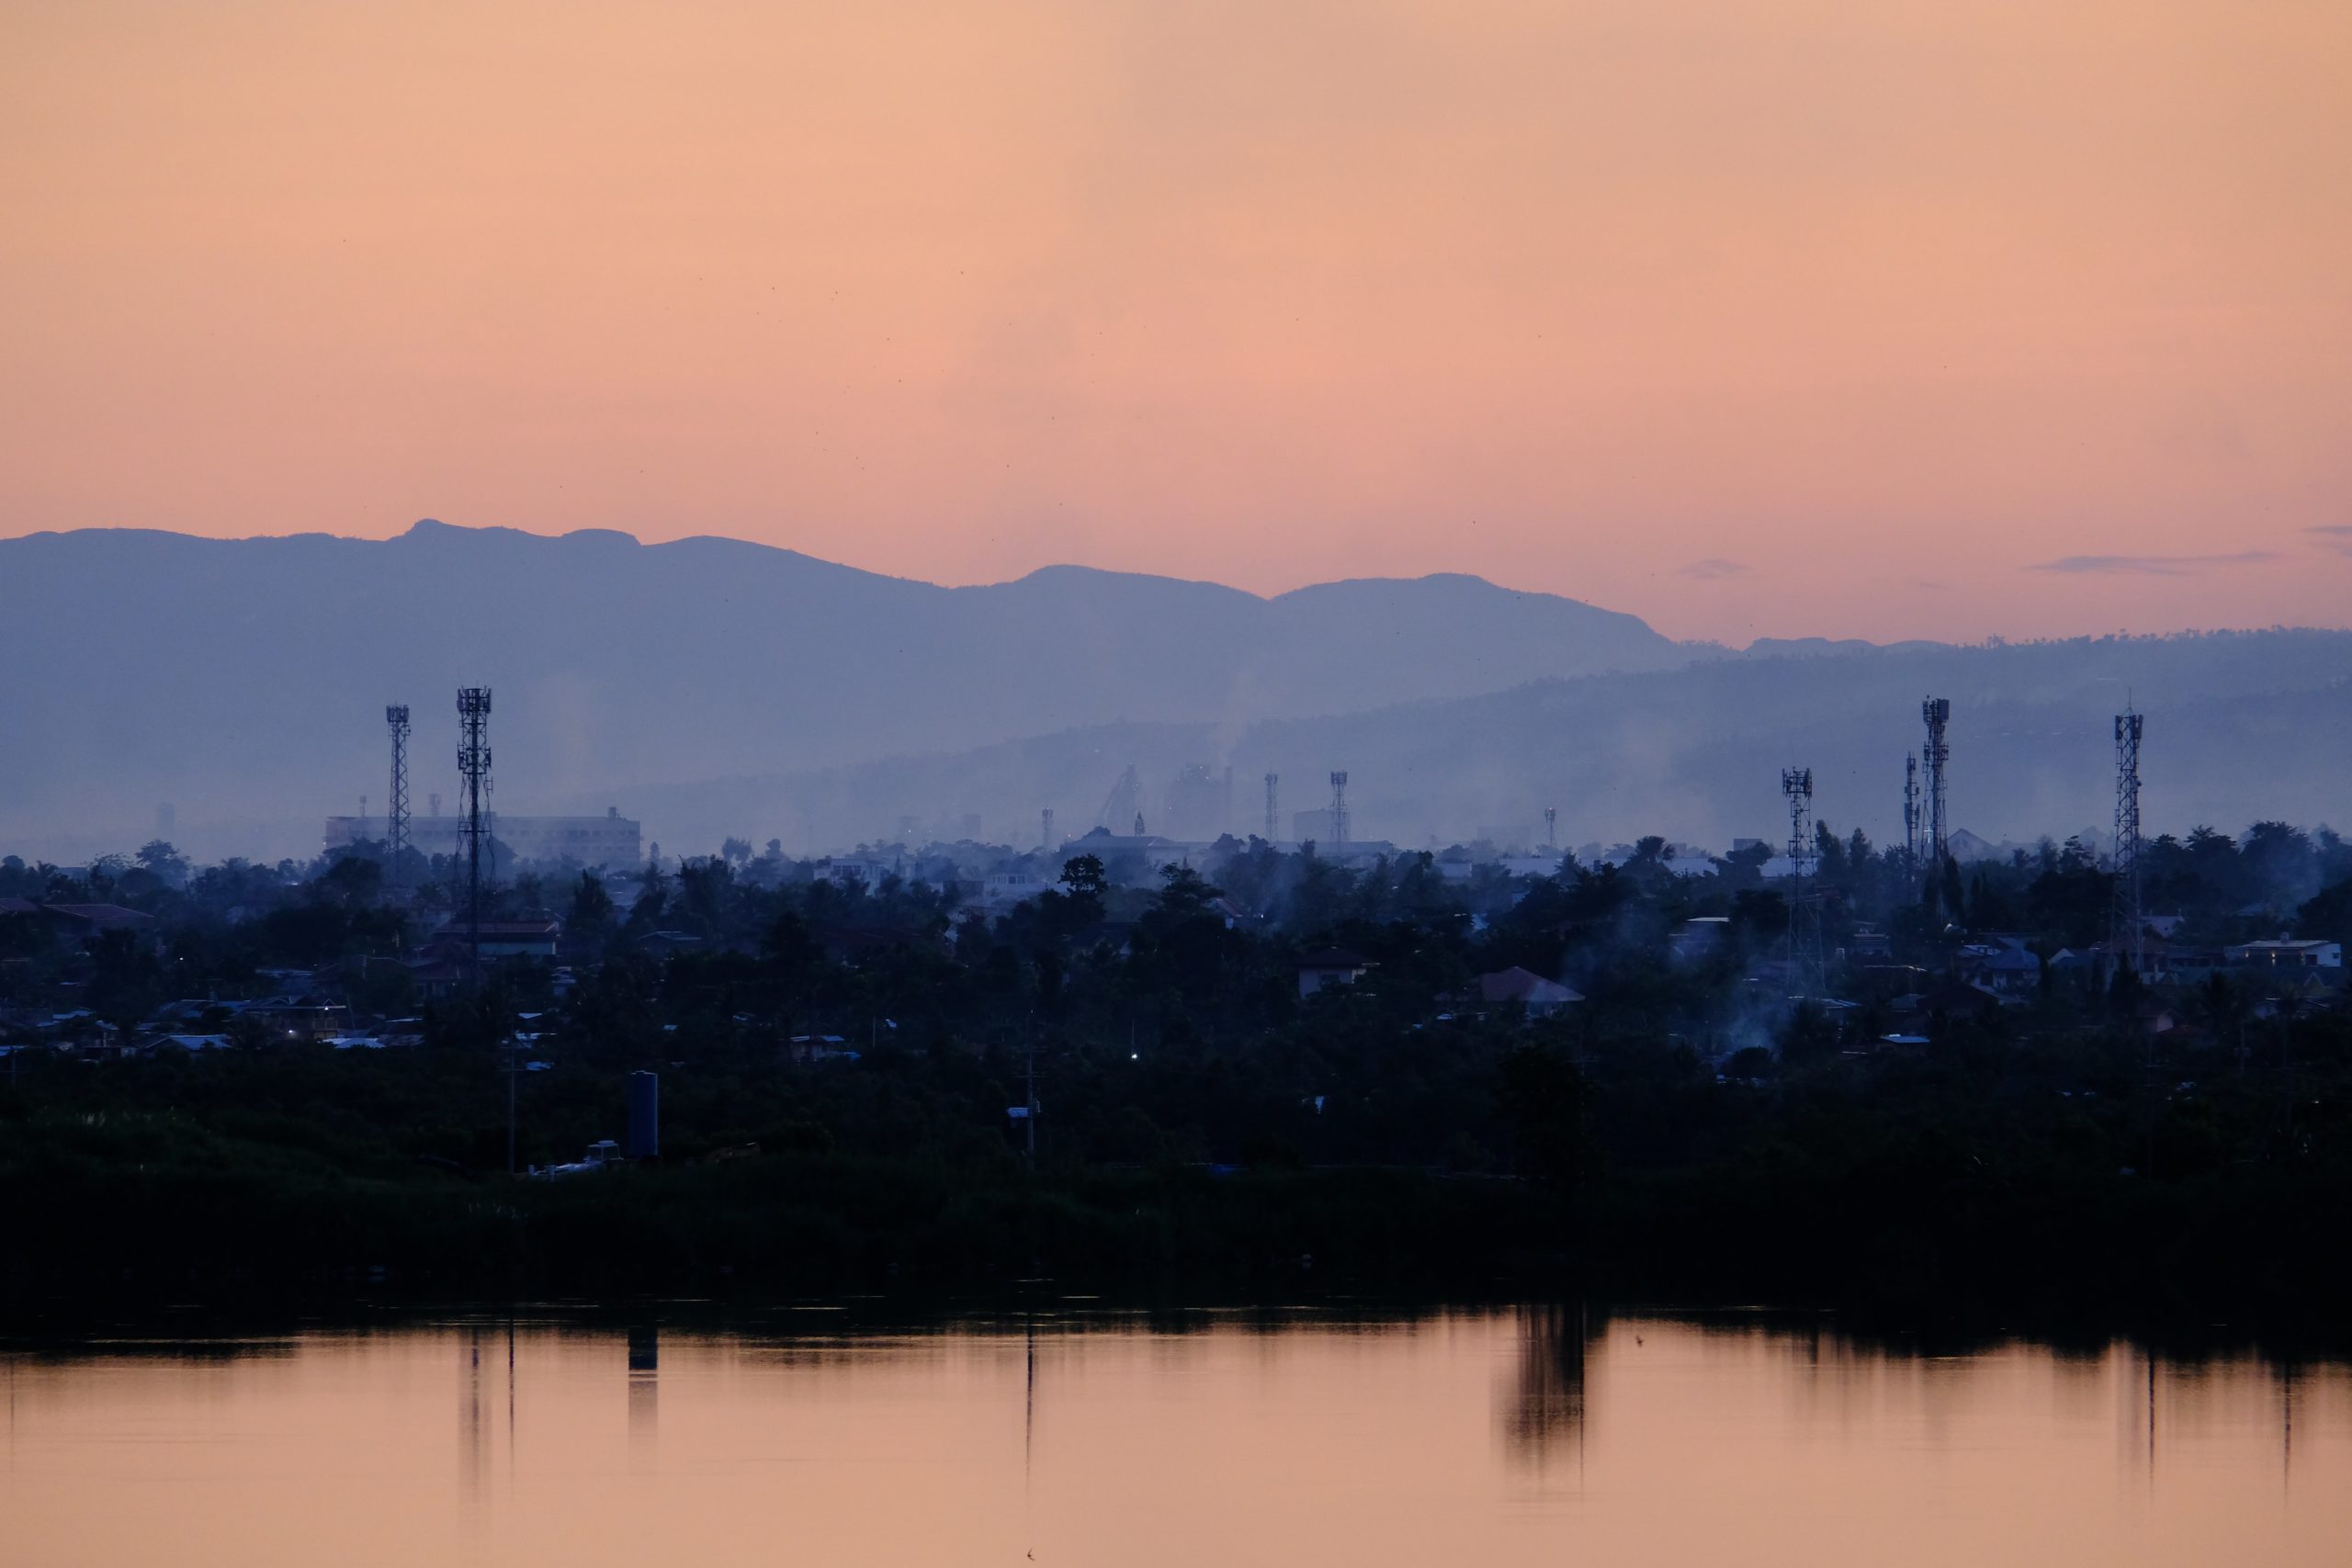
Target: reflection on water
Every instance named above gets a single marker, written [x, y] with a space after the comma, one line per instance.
[644, 1394]
[1546, 1434]
[1543, 1414]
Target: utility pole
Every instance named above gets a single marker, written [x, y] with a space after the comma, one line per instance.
[512, 1067]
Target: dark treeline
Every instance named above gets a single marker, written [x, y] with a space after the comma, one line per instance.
[837, 1062]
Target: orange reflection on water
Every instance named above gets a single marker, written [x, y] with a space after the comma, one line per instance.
[1541, 1435]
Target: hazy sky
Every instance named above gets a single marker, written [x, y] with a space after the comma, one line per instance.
[1951, 318]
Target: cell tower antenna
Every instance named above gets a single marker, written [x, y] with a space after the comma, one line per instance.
[396, 806]
[1911, 822]
[1339, 807]
[1805, 964]
[2129, 937]
[1551, 827]
[1935, 712]
[1273, 781]
[473, 766]
[1047, 835]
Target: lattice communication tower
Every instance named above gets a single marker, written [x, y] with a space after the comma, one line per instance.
[1272, 781]
[396, 810]
[1935, 712]
[1807, 963]
[1339, 807]
[2128, 938]
[1911, 821]
[473, 767]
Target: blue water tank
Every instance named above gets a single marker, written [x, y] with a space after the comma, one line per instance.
[644, 1141]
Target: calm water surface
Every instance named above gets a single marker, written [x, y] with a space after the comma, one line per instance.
[1471, 1438]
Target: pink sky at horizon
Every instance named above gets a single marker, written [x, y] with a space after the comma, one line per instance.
[1818, 317]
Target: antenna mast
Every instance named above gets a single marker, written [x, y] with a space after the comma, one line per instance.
[1911, 822]
[2129, 939]
[473, 766]
[1273, 780]
[1936, 714]
[1340, 808]
[1805, 962]
[396, 808]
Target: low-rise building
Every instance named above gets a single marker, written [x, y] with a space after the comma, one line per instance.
[1538, 996]
[1331, 966]
[505, 939]
[609, 840]
[2285, 956]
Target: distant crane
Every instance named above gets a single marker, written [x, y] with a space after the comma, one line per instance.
[1124, 802]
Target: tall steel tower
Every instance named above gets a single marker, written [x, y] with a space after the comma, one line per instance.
[1936, 714]
[1272, 781]
[473, 766]
[1551, 827]
[1339, 807]
[1046, 820]
[1807, 977]
[1911, 822]
[2128, 939]
[396, 810]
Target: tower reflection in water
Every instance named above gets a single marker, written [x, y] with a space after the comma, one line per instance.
[473, 1420]
[1543, 1412]
[644, 1394]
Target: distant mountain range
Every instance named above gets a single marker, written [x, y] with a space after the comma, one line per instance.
[713, 687]
[244, 681]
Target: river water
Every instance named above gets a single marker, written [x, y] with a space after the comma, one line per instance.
[1087, 1437]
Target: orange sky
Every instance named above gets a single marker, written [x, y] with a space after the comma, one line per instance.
[1751, 317]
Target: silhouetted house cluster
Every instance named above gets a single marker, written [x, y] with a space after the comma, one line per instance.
[1530, 990]
[1329, 966]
